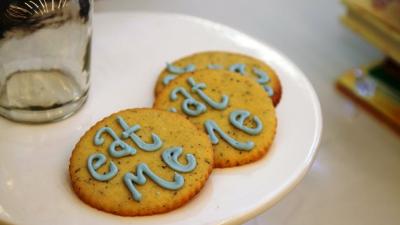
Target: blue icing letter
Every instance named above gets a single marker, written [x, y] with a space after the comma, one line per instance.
[238, 68]
[199, 107]
[130, 180]
[112, 149]
[197, 88]
[170, 157]
[130, 132]
[167, 79]
[172, 110]
[179, 70]
[262, 76]
[211, 127]
[174, 93]
[269, 90]
[95, 161]
[237, 119]
[214, 67]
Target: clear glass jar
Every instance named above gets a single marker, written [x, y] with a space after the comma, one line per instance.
[44, 58]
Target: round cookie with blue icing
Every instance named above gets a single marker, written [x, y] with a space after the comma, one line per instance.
[219, 60]
[140, 162]
[233, 110]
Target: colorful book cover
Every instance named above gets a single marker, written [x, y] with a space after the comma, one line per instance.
[377, 88]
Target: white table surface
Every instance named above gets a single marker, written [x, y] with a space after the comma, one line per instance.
[355, 178]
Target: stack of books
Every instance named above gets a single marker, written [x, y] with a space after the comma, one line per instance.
[377, 85]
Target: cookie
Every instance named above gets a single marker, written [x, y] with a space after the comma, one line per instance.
[140, 162]
[218, 60]
[233, 110]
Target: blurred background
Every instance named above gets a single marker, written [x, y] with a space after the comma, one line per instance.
[355, 178]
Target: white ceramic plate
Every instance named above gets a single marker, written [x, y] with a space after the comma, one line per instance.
[129, 50]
